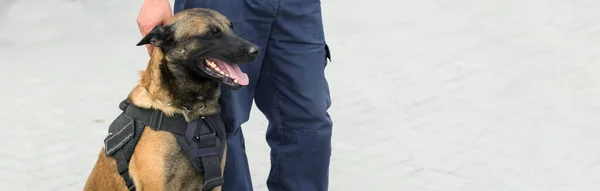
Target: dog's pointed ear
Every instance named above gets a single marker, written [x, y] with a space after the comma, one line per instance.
[159, 36]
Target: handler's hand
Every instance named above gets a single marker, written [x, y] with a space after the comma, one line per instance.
[152, 13]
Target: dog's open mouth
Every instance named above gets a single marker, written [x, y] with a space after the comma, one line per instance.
[229, 74]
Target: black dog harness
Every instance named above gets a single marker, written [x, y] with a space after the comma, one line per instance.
[202, 140]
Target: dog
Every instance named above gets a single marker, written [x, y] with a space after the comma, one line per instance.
[196, 51]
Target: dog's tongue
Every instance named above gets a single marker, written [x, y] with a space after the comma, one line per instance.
[234, 72]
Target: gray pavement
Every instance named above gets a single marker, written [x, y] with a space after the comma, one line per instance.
[427, 95]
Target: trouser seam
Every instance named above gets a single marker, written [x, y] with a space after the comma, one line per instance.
[277, 113]
[278, 120]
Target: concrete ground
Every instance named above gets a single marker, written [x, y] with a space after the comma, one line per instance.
[428, 95]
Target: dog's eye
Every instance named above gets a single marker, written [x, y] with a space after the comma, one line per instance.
[214, 32]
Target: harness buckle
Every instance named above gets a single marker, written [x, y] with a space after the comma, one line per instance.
[212, 183]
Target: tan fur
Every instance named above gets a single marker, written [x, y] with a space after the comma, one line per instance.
[158, 162]
[104, 176]
[200, 23]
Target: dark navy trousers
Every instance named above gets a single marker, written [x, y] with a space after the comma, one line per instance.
[289, 87]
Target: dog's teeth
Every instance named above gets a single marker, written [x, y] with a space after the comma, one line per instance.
[227, 75]
[235, 81]
[222, 73]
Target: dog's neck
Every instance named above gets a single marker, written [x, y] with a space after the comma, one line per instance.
[173, 92]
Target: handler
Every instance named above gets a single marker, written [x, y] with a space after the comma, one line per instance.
[287, 83]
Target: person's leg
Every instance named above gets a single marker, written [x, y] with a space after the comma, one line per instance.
[236, 105]
[294, 95]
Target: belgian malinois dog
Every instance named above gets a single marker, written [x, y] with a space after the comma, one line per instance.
[195, 53]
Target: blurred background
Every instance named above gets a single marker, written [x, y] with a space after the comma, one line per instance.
[428, 95]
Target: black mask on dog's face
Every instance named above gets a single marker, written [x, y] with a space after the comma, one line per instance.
[202, 41]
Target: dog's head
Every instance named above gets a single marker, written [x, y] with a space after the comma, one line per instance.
[201, 43]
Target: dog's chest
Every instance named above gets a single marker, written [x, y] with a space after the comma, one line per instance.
[179, 173]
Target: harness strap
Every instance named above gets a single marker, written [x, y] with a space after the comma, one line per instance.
[202, 140]
[123, 168]
[201, 145]
[120, 144]
[154, 118]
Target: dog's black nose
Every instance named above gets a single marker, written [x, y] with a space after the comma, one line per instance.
[253, 50]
